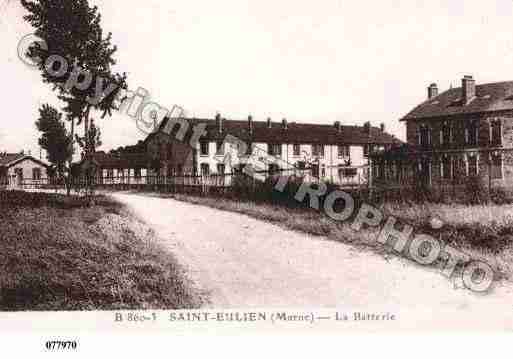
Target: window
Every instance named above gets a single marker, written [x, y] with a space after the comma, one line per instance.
[471, 133]
[296, 150]
[343, 151]
[137, 173]
[274, 169]
[472, 165]
[424, 136]
[249, 150]
[347, 172]
[219, 148]
[204, 148]
[315, 170]
[221, 168]
[323, 171]
[110, 173]
[375, 171]
[239, 169]
[205, 169]
[445, 168]
[381, 170]
[274, 149]
[393, 171]
[366, 150]
[445, 134]
[121, 173]
[36, 174]
[318, 150]
[496, 133]
[496, 166]
[399, 173]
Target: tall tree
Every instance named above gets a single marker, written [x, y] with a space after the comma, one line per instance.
[55, 139]
[72, 29]
[94, 139]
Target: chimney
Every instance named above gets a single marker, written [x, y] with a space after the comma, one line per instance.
[366, 128]
[284, 124]
[338, 126]
[219, 123]
[468, 85]
[432, 91]
[250, 124]
[382, 127]
[269, 124]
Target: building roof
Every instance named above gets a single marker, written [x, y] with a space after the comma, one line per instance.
[10, 159]
[295, 133]
[397, 152]
[490, 97]
[119, 161]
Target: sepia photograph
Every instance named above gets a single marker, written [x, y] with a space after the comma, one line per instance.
[189, 166]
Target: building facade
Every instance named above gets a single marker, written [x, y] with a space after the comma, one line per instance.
[116, 168]
[18, 171]
[462, 133]
[218, 147]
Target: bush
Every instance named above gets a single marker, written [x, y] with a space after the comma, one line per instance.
[246, 188]
[475, 190]
[500, 196]
[13, 199]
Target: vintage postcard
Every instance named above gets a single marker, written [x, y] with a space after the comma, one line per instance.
[176, 166]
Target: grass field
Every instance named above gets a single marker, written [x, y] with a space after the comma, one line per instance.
[483, 232]
[60, 253]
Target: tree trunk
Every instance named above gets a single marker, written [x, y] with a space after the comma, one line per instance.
[87, 156]
[70, 161]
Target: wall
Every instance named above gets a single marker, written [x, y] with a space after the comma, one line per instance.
[27, 165]
[459, 150]
[330, 161]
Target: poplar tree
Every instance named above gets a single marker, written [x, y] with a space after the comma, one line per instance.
[72, 29]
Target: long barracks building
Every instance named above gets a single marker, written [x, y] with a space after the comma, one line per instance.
[335, 153]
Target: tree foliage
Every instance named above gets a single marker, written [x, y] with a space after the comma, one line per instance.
[72, 29]
[93, 139]
[55, 139]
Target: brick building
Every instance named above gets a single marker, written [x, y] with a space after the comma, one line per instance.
[335, 153]
[461, 133]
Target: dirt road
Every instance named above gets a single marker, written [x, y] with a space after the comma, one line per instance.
[243, 262]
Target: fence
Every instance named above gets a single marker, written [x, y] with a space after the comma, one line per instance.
[193, 184]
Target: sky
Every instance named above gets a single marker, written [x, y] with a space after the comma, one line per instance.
[307, 61]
